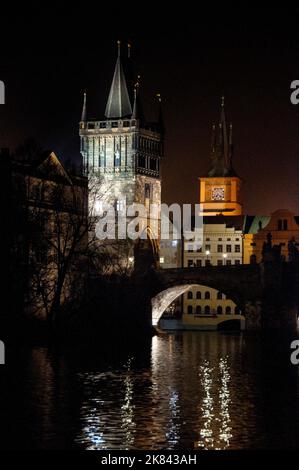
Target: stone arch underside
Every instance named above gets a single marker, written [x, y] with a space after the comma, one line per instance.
[162, 300]
[165, 298]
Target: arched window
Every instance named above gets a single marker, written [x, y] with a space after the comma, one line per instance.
[198, 294]
[219, 310]
[207, 310]
[190, 309]
[228, 310]
[207, 295]
[285, 224]
[198, 309]
[190, 295]
[219, 296]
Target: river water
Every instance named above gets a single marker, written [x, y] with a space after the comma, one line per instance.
[192, 390]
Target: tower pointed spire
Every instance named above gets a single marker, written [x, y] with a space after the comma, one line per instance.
[213, 141]
[160, 115]
[231, 147]
[118, 104]
[224, 132]
[135, 106]
[222, 143]
[84, 111]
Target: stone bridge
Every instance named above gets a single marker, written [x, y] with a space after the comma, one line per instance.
[267, 293]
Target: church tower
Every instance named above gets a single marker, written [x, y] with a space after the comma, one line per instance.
[220, 190]
[123, 150]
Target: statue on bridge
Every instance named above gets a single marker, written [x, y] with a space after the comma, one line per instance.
[269, 252]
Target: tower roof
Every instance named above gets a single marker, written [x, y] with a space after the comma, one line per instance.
[222, 148]
[118, 104]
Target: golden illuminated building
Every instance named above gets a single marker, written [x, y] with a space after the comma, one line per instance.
[282, 228]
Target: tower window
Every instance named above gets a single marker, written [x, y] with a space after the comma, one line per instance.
[147, 191]
[153, 165]
[117, 161]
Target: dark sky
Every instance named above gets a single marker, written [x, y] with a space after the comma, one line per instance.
[48, 57]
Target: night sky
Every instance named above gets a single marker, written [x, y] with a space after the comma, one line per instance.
[192, 58]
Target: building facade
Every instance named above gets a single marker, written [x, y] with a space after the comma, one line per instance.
[48, 235]
[280, 231]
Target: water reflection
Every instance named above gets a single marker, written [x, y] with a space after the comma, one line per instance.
[190, 390]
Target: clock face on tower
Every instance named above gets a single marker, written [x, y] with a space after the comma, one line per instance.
[218, 194]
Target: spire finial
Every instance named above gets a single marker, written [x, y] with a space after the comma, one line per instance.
[222, 101]
[83, 115]
[129, 50]
[118, 47]
[158, 95]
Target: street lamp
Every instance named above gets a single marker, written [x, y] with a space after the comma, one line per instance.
[208, 254]
[224, 257]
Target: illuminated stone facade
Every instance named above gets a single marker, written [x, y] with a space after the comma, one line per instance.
[124, 151]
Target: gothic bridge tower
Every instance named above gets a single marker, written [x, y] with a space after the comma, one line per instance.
[220, 189]
[123, 150]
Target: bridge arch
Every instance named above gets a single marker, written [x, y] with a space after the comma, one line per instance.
[163, 299]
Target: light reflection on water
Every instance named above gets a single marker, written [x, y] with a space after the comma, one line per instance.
[186, 391]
